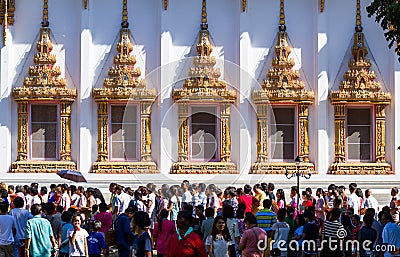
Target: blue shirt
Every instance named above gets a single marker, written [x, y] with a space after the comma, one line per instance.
[21, 217]
[141, 244]
[65, 227]
[96, 242]
[123, 233]
[39, 231]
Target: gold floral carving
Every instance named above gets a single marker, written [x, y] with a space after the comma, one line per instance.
[322, 6]
[124, 85]
[283, 85]
[244, 5]
[165, 5]
[85, 4]
[279, 167]
[359, 87]
[44, 84]
[204, 85]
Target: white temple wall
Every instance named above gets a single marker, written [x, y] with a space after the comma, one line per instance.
[85, 44]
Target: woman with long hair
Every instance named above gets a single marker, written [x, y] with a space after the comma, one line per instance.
[307, 201]
[280, 199]
[321, 204]
[219, 241]
[163, 229]
[173, 204]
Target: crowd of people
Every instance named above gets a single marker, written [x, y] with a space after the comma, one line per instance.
[196, 220]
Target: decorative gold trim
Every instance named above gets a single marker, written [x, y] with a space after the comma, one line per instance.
[279, 167]
[359, 87]
[165, 5]
[44, 84]
[125, 167]
[341, 168]
[204, 85]
[244, 5]
[204, 168]
[123, 85]
[85, 4]
[7, 9]
[322, 6]
[283, 85]
[42, 166]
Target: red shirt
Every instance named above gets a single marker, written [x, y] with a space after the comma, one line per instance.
[190, 246]
[248, 201]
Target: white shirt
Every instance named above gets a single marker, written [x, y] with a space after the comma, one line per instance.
[123, 202]
[78, 247]
[152, 198]
[186, 198]
[371, 202]
[354, 201]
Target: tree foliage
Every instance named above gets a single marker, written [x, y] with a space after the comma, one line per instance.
[387, 13]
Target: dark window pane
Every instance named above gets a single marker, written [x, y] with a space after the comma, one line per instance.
[44, 113]
[117, 113]
[44, 131]
[358, 116]
[282, 115]
[282, 133]
[282, 151]
[360, 134]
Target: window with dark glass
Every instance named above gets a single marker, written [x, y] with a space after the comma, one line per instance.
[359, 134]
[282, 134]
[44, 132]
[203, 133]
[124, 132]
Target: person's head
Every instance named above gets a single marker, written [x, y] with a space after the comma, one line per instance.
[141, 219]
[247, 189]
[188, 207]
[300, 220]
[199, 210]
[352, 187]
[386, 218]
[228, 212]
[350, 211]
[201, 187]
[130, 211]
[118, 190]
[359, 193]
[335, 214]
[386, 209]
[355, 219]
[368, 220]
[66, 216]
[250, 219]
[280, 194]
[305, 195]
[368, 193]
[209, 212]
[43, 190]
[53, 187]
[345, 220]
[370, 211]
[281, 215]
[36, 209]
[257, 188]
[49, 208]
[60, 208]
[271, 187]
[111, 187]
[19, 202]
[163, 214]
[185, 185]
[96, 225]
[11, 189]
[219, 227]
[95, 208]
[77, 220]
[320, 192]
[289, 212]
[267, 203]
[184, 219]
[4, 207]
[394, 191]
[294, 191]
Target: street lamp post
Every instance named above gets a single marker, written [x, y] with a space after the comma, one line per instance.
[298, 173]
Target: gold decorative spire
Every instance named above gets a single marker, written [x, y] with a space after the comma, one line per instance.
[282, 81]
[7, 9]
[123, 74]
[359, 82]
[45, 17]
[282, 26]
[165, 5]
[322, 5]
[85, 4]
[244, 5]
[203, 76]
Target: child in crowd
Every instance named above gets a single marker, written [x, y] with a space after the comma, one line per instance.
[96, 242]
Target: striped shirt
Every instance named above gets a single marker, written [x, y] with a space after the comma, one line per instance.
[333, 229]
[265, 219]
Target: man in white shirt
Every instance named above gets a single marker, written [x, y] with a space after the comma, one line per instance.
[370, 201]
[187, 196]
[353, 200]
[123, 200]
